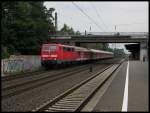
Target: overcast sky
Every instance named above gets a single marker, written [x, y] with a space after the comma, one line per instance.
[128, 16]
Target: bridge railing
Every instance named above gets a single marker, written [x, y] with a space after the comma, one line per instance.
[132, 34]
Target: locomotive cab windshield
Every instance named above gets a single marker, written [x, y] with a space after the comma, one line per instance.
[49, 48]
[45, 48]
[52, 48]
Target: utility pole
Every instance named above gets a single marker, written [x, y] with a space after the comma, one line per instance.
[90, 29]
[115, 28]
[115, 34]
[55, 21]
[85, 32]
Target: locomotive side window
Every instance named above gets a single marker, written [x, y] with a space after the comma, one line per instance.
[52, 48]
[67, 49]
[64, 49]
[70, 49]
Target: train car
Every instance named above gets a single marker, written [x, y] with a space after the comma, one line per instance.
[83, 54]
[99, 54]
[59, 54]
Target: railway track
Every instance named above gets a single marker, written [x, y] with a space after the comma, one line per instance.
[75, 98]
[29, 85]
[25, 75]
[35, 73]
[33, 76]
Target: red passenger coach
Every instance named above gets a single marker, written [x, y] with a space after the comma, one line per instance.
[99, 54]
[58, 54]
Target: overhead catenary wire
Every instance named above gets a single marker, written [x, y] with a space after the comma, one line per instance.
[62, 23]
[99, 16]
[87, 16]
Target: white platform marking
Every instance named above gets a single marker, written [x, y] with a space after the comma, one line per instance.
[125, 98]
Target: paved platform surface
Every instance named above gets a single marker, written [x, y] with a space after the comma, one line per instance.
[138, 86]
[112, 99]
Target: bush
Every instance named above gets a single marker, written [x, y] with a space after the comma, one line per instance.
[5, 53]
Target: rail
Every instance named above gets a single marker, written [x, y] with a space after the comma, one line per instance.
[75, 98]
[16, 89]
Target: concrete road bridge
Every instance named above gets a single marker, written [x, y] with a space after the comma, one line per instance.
[141, 39]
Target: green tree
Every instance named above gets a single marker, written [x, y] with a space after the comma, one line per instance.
[119, 52]
[77, 33]
[25, 26]
[66, 30]
[105, 46]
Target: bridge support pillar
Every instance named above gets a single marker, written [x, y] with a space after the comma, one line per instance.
[143, 51]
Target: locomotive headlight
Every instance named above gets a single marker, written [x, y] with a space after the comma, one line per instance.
[53, 55]
[44, 55]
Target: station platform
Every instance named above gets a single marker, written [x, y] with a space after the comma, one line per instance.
[137, 96]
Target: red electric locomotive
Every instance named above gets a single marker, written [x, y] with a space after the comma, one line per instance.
[59, 54]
